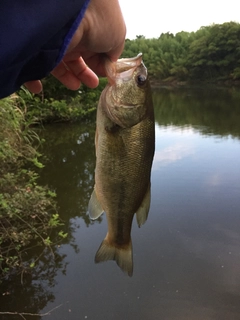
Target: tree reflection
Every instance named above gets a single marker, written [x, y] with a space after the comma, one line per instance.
[208, 110]
[31, 291]
[70, 167]
[69, 171]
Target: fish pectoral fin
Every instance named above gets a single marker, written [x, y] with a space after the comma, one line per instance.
[122, 255]
[142, 212]
[95, 210]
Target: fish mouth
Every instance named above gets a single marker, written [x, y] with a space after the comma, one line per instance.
[120, 111]
[124, 115]
[128, 63]
[117, 103]
[122, 68]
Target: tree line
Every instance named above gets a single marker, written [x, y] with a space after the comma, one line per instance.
[209, 54]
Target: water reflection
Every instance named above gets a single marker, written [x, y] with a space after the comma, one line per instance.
[207, 110]
[187, 256]
[70, 170]
[31, 291]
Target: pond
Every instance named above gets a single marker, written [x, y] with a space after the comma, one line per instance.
[186, 256]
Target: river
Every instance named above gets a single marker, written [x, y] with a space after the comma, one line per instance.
[186, 256]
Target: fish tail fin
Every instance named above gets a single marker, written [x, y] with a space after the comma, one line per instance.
[122, 255]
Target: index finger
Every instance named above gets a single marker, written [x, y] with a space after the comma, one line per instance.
[73, 73]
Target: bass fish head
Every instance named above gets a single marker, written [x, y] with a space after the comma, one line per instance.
[125, 97]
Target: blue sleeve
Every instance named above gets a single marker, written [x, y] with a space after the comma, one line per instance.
[34, 35]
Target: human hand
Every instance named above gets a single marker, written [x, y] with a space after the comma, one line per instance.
[101, 33]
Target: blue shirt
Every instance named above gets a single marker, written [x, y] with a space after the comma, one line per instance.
[34, 35]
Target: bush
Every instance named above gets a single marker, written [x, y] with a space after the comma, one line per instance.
[27, 210]
[57, 103]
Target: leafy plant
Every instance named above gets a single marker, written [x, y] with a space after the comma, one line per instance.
[58, 103]
[27, 211]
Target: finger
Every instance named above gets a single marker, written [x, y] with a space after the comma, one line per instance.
[72, 74]
[34, 86]
[83, 72]
[89, 59]
[96, 62]
[66, 77]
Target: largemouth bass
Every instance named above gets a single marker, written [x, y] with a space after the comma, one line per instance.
[124, 141]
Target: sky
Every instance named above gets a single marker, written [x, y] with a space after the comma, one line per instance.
[150, 18]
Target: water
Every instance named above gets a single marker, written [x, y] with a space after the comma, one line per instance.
[186, 256]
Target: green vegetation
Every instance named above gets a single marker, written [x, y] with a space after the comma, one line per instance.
[210, 54]
[57, 103]
[27, 210]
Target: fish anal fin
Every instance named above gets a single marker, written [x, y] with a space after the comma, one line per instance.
[122, 255]
[142, 212]
[94, 207]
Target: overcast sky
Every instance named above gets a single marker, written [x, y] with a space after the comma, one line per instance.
[152, 17]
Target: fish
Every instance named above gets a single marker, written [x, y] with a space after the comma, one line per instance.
[124, 144]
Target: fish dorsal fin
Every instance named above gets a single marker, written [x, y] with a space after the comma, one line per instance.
[95, 210]
[142, 212]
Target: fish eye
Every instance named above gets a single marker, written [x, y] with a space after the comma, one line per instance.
[141, 79]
